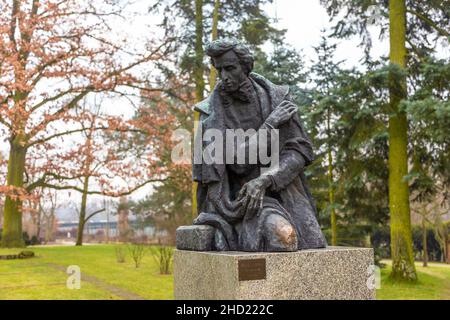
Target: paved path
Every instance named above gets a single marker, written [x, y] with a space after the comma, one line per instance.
[419, 263]
[61, 244]
[433, 264]
[25, 286]
[124, 294]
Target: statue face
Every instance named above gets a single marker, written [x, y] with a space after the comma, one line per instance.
[230, 70]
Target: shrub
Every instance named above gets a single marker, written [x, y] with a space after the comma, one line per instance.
[34, 240]
[26, 238]
[120, 254]
[26, 254]
[163, 256]
[137, 250]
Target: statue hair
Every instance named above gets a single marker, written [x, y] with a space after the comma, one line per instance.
[218, 47]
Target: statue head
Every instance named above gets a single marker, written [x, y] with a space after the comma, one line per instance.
[233, 61]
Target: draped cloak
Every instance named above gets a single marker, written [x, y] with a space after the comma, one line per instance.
[288, 195]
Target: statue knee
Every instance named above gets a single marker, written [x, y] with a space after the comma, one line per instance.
[287, 235]
[280, 235]
[220, 243]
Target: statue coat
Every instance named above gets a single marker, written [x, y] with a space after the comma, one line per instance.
[288, 196]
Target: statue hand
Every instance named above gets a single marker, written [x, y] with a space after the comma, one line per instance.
[252, 194]
[281, 114]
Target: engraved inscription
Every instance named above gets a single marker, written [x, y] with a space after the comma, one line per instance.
[252, 269]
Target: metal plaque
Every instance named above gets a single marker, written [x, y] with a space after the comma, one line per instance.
[252, 269]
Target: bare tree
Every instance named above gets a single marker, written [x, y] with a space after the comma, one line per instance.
[433, 211]
[85, 213]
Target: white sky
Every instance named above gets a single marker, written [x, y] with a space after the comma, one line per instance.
[304, 21]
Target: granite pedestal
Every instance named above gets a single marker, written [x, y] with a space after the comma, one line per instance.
[332, 273]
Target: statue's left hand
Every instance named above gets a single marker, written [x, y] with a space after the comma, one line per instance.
[252, 194]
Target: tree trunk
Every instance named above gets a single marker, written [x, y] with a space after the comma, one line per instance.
[12, 216]
[441, 231]
[401, 239]
[49, 229]
[424, 242]
[447, 253]
[330, 186]
[199, 53]
[215, 24]
[107, 226]
[82, 219]
[38, 227]
[198, 77]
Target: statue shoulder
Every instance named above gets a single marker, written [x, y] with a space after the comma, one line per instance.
[279, 92]
[203, 106]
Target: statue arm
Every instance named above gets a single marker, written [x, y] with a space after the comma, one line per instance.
[296, 154]
[253, 142]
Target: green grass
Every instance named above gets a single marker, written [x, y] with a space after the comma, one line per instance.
[36, 279]
[433, 284]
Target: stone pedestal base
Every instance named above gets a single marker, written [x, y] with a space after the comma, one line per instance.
[331, 273]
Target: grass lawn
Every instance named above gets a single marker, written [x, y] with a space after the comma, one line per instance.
[433, 284]
[44, 277]
[36, 279]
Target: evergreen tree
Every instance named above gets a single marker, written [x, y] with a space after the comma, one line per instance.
[349, 175]
[427, 24]
[324, 114]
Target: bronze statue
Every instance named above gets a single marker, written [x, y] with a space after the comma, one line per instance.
[252, 209]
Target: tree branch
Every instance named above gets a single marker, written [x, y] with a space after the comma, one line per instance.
[65, 133]
[13, 22]
[416, 50]
[73, 103]
[26, 36]
[139, 61]
[3, 122]
[93, 214]
[430, 22]
[116, 195]
[39, 183]
[56, 135]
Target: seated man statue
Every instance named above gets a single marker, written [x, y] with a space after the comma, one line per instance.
[252, 209]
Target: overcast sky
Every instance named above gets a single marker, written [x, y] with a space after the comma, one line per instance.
[305, 19]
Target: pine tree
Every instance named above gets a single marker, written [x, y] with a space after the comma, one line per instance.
[409, 39]
[325, 108]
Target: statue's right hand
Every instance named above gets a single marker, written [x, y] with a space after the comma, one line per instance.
[281, 114]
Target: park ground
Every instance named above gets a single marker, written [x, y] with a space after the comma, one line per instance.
[44, 277]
